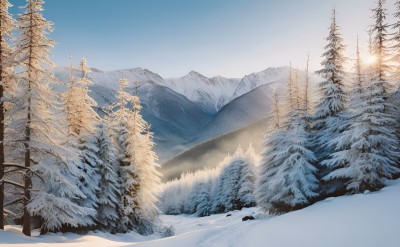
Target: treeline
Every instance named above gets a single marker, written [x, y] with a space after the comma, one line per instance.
[61, 162]
[228, 187]
[345, 139]
[349, 143]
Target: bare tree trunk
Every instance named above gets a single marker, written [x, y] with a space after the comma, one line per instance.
[27, 178]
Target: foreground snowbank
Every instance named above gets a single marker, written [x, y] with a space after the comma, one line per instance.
[361, 220]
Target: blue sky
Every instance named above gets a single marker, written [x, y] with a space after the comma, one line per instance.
[214, 37]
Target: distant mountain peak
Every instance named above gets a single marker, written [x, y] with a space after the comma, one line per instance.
[195, 73]
[208, 93]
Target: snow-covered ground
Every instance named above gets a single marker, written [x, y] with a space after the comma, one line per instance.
[371, 219]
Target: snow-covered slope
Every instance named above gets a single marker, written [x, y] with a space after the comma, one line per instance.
[254, 80]
[214, 93]
[209, 93]
[366, 220]
[245, 110]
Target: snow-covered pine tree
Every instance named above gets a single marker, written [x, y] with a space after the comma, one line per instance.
[248, 178]
[287, 178]
[200, 198]
[369, 148]
[234, 188]
[203, 206]
[328, 120]
[343, 142]
[7, 25]
[269, 157]
[128, 177]
[109, 186]
[81, 119]
[230, 175]
[123, 139]
[217, 203]
[39, 128]
[144, 160]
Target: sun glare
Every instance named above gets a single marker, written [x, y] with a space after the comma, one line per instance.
[370, 59]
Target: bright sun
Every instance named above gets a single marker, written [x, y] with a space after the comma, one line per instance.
[370, 59]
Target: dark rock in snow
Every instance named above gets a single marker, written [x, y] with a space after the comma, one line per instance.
[246, 218]
[228, 215]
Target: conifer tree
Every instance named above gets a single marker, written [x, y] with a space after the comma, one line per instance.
[124, 141]
[248, 178]
[109, 186]
[327, 119]
[81, 119]
[287, 178]
[39, 127]
[234, 186]
[369, 148]
[144, 162]
[7, 25]
[200, 198]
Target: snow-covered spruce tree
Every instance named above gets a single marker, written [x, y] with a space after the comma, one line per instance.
[343, 141]
[328, 120]
[123, 140]
[370, 146]
[81, 119]
[287, 178]
[200, 199]
[144, 160]
[230, 176]
[235, 184]
[128, 178]
[248, 178]
[217, 203]
[39, 128]
[140, 179]
[7, 25]
[109, 186]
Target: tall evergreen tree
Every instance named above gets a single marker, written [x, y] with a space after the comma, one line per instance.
[287, 178]
[124, 140]
[81, 119]
[6, 26]
[146, 169]
[109, 186]
[327, 119]
[369, 149]
[40, 129]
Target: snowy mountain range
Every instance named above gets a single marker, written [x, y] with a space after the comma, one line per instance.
[191, 109]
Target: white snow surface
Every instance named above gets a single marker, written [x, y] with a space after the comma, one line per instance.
[365, 220]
